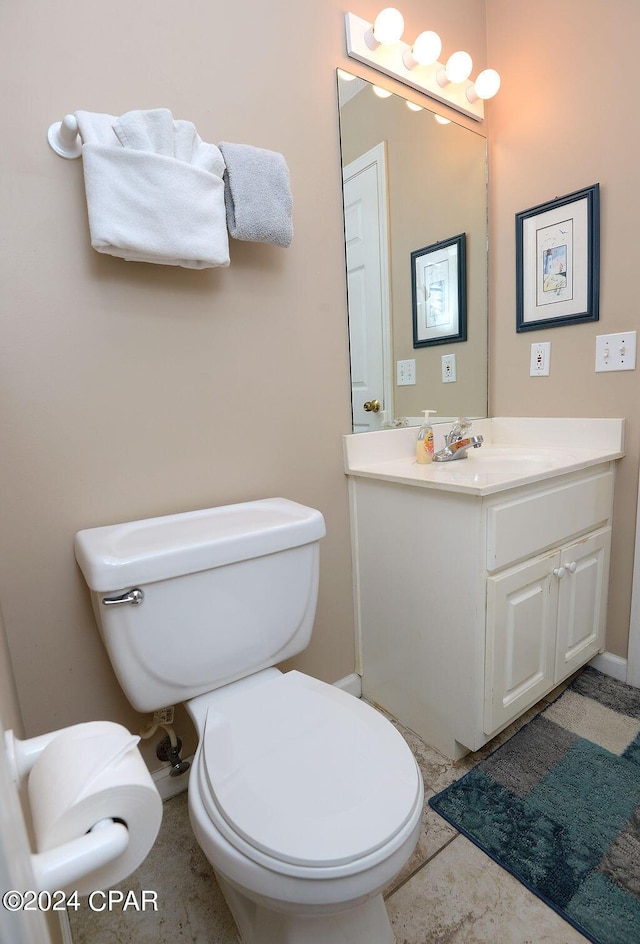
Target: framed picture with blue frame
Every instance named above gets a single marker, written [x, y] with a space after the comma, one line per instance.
[558, 261]
[439, 292]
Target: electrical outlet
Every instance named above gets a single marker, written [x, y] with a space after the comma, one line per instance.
[448, 368]
[540, 359]
[616, 351]
[406, 372]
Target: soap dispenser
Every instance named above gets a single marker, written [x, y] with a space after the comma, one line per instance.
[424, 442]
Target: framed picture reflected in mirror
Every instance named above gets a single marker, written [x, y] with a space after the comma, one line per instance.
[439, 292]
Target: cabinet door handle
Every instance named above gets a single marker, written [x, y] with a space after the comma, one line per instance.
[572, 567]
[559, 572]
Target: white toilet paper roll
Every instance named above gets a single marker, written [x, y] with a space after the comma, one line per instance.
[88, 773]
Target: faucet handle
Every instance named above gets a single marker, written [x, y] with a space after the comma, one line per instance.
[459, 428]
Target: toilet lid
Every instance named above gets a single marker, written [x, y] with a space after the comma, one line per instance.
[307, 773]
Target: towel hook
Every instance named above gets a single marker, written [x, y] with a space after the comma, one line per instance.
[64, 138]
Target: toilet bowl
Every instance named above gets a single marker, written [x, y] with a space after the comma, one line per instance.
[305, 800]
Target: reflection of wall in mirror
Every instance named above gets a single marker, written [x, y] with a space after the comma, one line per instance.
[437, 188]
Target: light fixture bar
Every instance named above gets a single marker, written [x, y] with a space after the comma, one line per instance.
[388, 59]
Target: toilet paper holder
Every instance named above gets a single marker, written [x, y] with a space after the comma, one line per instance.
[61, 867]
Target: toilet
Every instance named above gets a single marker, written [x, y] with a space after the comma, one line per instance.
[305, 800]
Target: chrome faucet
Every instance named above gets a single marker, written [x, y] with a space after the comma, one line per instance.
[457, 442]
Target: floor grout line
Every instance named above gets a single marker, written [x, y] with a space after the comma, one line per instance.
[419, 868]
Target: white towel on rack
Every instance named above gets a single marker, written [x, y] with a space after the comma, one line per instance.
[154, 189]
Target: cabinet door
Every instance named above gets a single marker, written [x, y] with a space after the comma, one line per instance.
[521, 632]
[582, 601]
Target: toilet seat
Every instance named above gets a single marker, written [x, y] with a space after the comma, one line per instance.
[303, 775]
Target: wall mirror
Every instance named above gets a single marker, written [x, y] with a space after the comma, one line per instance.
[409, 183]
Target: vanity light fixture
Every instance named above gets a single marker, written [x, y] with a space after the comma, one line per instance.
[417, 65]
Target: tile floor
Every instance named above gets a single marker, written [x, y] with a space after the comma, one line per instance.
[448, 893]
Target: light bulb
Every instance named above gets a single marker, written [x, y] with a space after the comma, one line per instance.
[442, 120]
[425, 50]
[345, 76]
[457, 69]
[486, 85]
[412, 106]
[380, 92]
[387, 28]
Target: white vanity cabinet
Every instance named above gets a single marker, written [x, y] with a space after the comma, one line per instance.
[545, 619]
[546, 613]
[471, 606]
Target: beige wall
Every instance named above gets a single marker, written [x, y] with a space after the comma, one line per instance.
[131, 390]
[10, 716]
[565, 119]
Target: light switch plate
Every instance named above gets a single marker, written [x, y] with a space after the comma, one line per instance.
[406, 372]
[616, 351]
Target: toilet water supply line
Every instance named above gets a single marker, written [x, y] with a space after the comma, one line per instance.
[152, 726]
[162, 719]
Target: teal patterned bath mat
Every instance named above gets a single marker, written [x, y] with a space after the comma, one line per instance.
[558, 806]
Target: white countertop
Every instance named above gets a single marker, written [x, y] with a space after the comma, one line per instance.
[516, 451]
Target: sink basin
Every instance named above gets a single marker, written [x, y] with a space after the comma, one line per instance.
[511, 459]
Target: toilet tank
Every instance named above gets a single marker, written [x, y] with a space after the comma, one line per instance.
[227, 591]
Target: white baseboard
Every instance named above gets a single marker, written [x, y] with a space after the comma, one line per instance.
[351, 684]
[612, 665]
[169, 786]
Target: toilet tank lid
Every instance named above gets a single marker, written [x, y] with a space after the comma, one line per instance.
[152, 549]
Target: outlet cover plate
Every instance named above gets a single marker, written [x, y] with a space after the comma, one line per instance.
[540, 359]
[448, 368]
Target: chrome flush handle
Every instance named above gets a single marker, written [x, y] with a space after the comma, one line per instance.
[134, 597]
